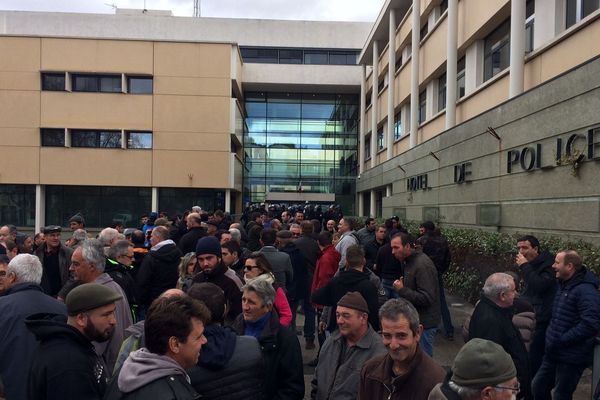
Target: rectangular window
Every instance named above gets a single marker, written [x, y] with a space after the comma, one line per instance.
[422, 106]
[442, 92]
[368, 147]
[139, 84]
[398, 125]
[496, 51]
[380, 139]
[264, 56]
[95, 139]
[576, 10]
[139, 140]
[53, 81]
[380, 85]
[316, 57]
[290, 56]
[460, 78]
[368, 100]
[424, 31]
[342, 58]
[399, 61]
[52, 137]
[443, 6]
[96, 83]
[529, 21]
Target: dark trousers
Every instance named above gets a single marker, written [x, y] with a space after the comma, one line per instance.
[309, 316]
[537, 347]
[446, 319]
[563, 378]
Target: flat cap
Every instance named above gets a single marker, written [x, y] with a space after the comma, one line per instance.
[89, 296]
[355, 301]
[52, 229]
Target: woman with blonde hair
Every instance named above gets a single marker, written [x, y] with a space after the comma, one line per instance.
[186, 270]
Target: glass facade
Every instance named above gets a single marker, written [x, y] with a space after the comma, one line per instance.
[175, 200]
[17, 205]
[301, 143]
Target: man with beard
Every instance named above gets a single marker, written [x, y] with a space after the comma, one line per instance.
[65, 365]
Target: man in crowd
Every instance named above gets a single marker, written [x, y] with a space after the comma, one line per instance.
[230, 252]
[280, 348]
[65, 365]
[77, 222]
[540, 288]
[119, 262]
[405, 371]
[345, 351]
[346, 229]
[187, 243]
[482, 370]
[22, 296]
[492, 320]
[55, 258]
[367, 232]
[572, 330]
[419, 285]
[280, 261]
[373, 246]
[87, 266]
[174, 336]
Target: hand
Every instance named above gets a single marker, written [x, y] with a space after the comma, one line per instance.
[520, 259]
[399, 283]
[322, 326]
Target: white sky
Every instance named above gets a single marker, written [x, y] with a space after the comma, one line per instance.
[319, 10]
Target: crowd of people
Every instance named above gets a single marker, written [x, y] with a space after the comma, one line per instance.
[202, 306]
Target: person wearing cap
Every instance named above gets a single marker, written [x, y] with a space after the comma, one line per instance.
[22, 296]
[55, 258]
[65, 364]
[482, 370]
[405, 371]
[88, 266]
[345, 352]
[76, 222]
[210, 268]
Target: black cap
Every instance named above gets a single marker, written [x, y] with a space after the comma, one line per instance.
[52, 229]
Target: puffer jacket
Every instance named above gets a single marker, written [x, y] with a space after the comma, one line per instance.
[575, 320]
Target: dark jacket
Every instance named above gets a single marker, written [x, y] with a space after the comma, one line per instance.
[64, 262]
[282, 360]
[310, 250]
[377, 382]
[300, 287]
[228, 285]
[575, 320]
[442, 391]
[65, 365]
[17, 343]
[158, 272]
[188, 242]
[348, 281]
[540, 286]
[371, 249]
[122, 275]
[492, 322]
[435, 246]
[421, 288]
[281, 265]
[387, 265]
[229, 367]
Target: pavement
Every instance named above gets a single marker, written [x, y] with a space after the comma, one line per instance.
[444, 350]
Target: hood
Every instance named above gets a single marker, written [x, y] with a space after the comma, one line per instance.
[143, 367]
[54, 327]
[135, 330]
[167, 252]
[219, 347]
[352, 276]
[583, 276]
[544, 258]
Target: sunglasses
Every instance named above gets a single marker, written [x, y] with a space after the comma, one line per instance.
[250, 267]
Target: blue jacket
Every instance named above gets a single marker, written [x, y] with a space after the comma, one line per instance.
[575, 320]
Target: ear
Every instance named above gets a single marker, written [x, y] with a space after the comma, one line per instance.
[419, 332]
[81, 320]
[486, 393]
[173, 345]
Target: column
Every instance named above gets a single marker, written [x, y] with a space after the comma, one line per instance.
[155, 199]
[414, 73]
[391, 86]
[451, 56]
[374, 107]
[517, 48]
[227, 200]
[363, 120]
[361, 204]
[388, 191]
[40, 207]
[372, 211]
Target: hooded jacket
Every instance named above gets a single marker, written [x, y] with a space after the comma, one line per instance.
[158, 271]
[232, 292]
[229, 368]
[540, 286]
[147, 375]
[65, 365]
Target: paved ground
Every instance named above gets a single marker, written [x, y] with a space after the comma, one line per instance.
[444, 350]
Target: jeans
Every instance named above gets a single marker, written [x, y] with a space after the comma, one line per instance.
[426, 341]
[388, 286]
[446, 319]
[309, 317]
[562, 377]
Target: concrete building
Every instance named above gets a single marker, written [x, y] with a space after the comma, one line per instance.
[484, 115]
[117, 115]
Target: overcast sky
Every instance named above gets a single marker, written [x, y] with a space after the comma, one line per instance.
[323, 10]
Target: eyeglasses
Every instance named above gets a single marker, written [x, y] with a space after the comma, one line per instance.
[250, 267]
[515, 390]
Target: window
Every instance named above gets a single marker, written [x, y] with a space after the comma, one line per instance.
[442, 92]
[315, 57]
[443, 6]
[52, 137]
[422, 106]
[253, 55]
[97, 83]
[381, 85]
[139, 140]
[367, 147]
[53, 81]
[342, 58]
[576, 10]
[399, 61]
[270, 55]
[368, 100]
[530, 17]
[398, 125]
[496, 51]
[96, 139]
[424, 31]
[460, 78]
[290, 56]
[139, 84]
[380, 139]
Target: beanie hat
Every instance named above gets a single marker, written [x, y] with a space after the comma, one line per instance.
[89, 296]
[482, 363]
[77, 218]
[355, 301]
[208, 245]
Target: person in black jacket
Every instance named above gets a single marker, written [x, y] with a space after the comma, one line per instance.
[188, 241]
[230, 366]
[65, 365]
[540, 288]
[119, 262]
[352, 279]
[174, 334]
[492, 320]
[373, 246]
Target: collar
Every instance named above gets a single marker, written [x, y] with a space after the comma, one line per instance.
[365, 342]
[162, 244]
[384, 373]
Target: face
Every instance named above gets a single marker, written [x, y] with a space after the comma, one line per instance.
[211, 230]
[100, 323]
[229, 258]
[53, 239]
[330, 225]
[154, 239]
[187, 353]
[40, 239]
[343, 227]
[226, 237]
[191, 266]
[252, 306]
[28, 245]
[526, 250]
[299, 217]
[399, 250]
[81, 269]
[4, 234]
[421, 230]
[126, 259]
[144, 220]
[350, 322]
[380, 234]
[6, 281]
[563, 271]
[507, 298]
[372, 225]
[251, 270]
[296, 231]
[75, 225]
[399, 339]
[285, 217]
[207, 262]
